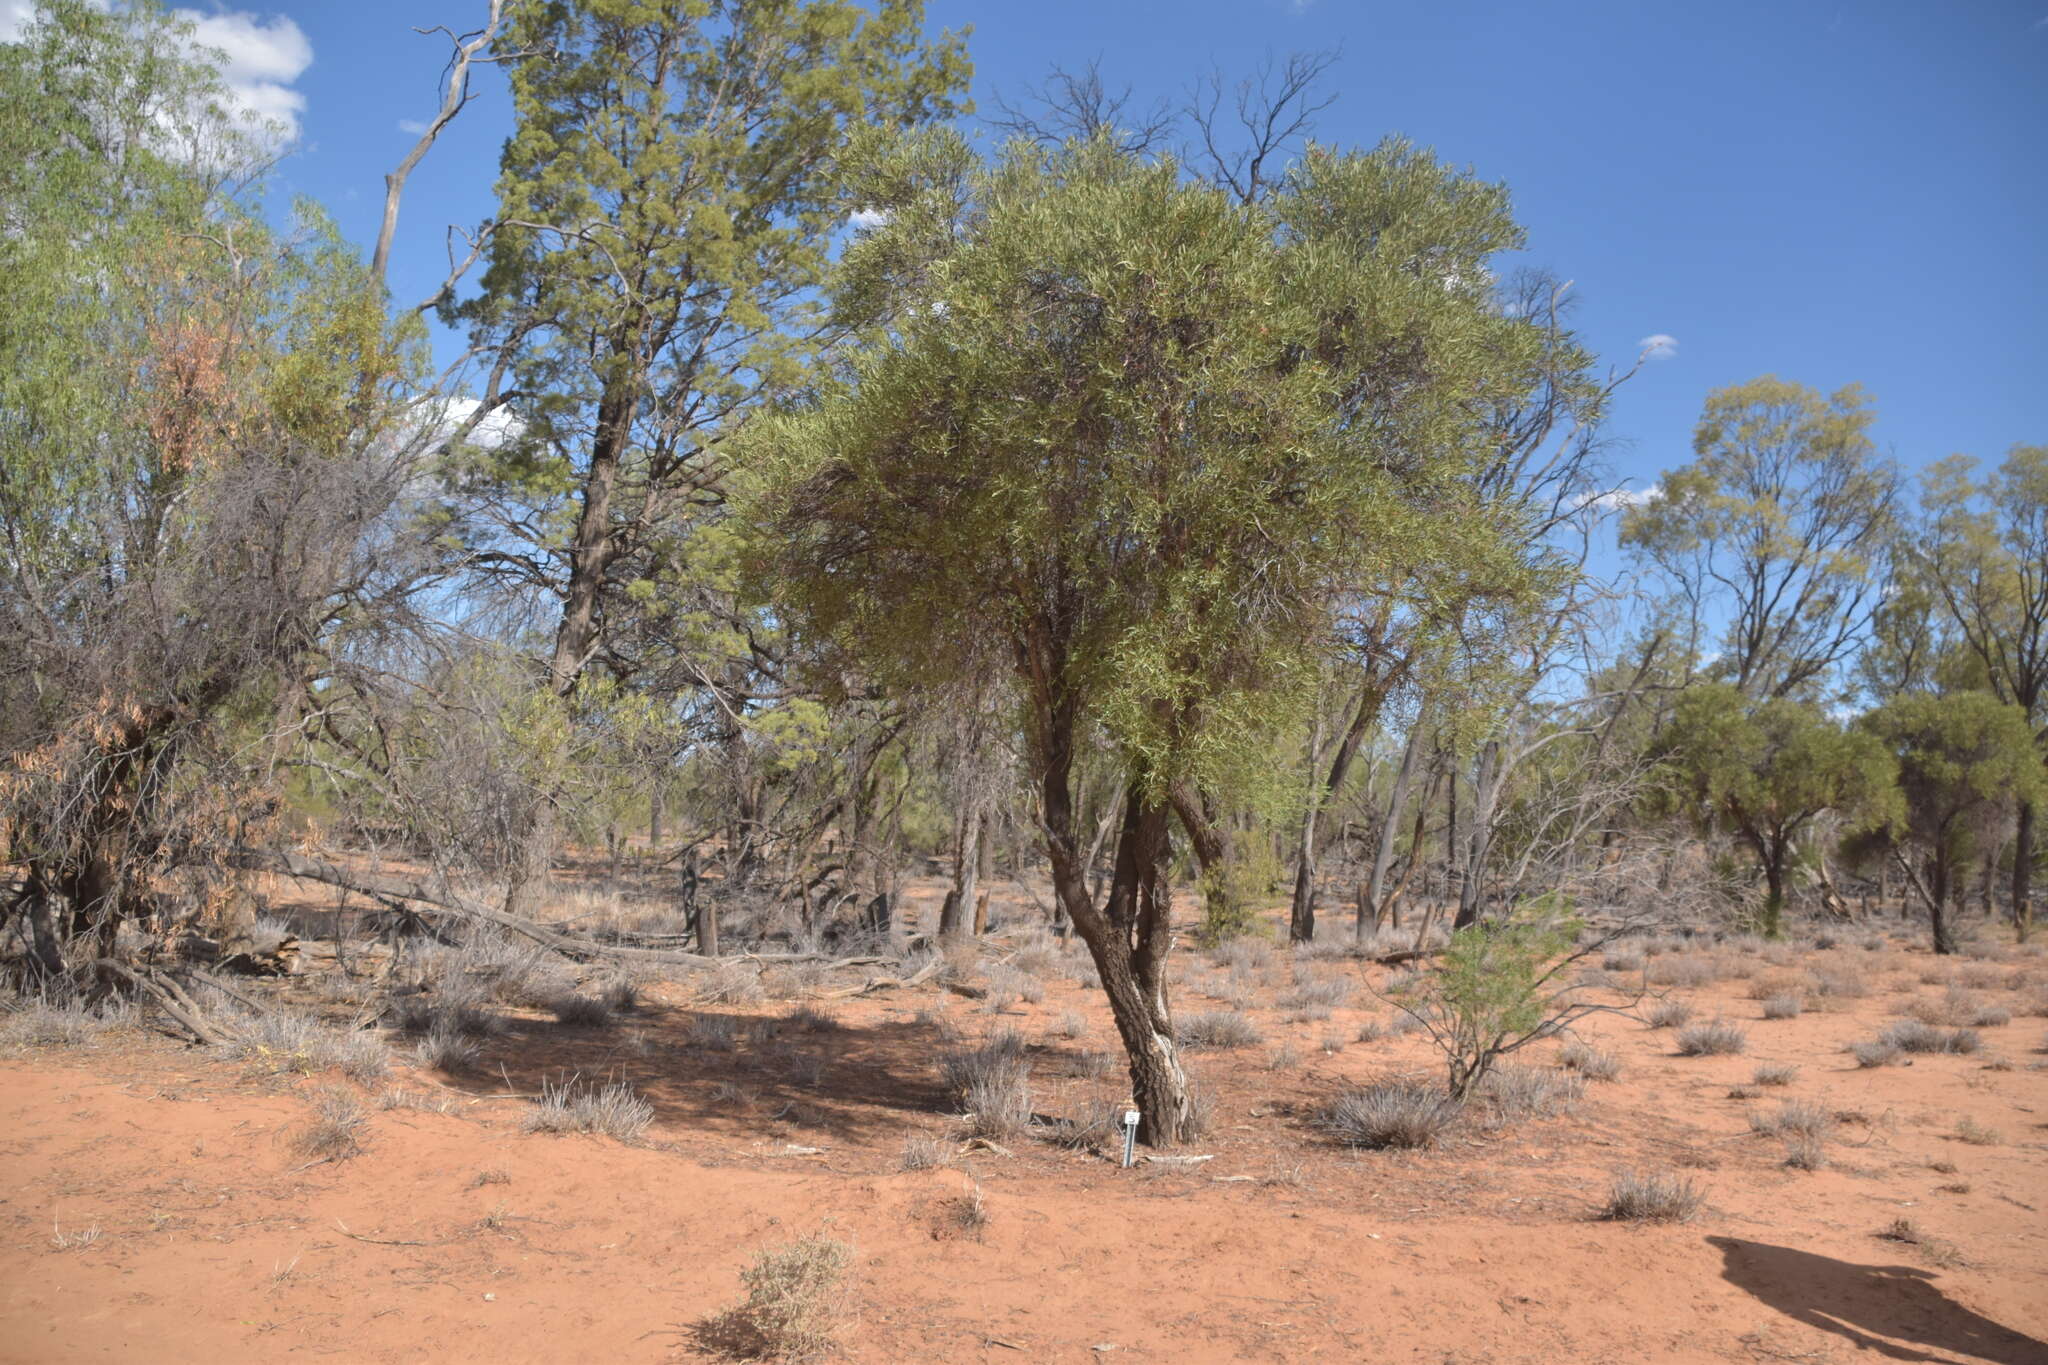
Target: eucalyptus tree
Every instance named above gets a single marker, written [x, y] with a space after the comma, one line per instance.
[667, 214]
[1964, 761]
[1773, 537]
[1131, 445]
[1765, 771]
[1983, 555]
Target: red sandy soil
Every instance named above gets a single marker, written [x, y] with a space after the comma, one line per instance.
[457, 1237]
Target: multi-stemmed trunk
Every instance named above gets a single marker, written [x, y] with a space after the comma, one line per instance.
[1129, 933]
[2023, 872]
[1365, 712]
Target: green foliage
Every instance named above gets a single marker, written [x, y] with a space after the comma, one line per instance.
[1780, 522]
[1764, 770]
[1126, 438]
[1493, 990]
[1963, 760]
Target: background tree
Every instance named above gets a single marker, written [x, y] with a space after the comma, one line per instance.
[1983, 552]
[1129, 440]
[1772, 538]
[1764, 771]
[1964, 760]
[667, 211]
[204, 433]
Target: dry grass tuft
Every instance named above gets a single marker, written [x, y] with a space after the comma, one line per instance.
[1670, 1014]
[1393, 1114]
[1652, 1197]
[336, 1132]
[1218, 1029]
[1716, 1038]
[567, 1106]
[1589, 1061]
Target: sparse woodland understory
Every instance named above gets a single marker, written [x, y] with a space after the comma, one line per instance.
[1157, 519]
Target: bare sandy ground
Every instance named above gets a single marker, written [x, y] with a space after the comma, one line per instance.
[456, 1237]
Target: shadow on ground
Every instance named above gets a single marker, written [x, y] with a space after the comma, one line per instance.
[1893, 1310]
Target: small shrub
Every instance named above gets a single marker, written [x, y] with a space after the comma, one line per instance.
[1783, 1007]
[613, 1111]
[1589, 1062]
[1371, 1031]
[729, 983]
[1670, 1014]
[793, 1301]
[1844, 983]
[1247, 953]
[1622, 960]
[1717, 1038]
[1874, 1052]
[1990, 1016]
[424, 1101]
[1217, 1029]
[1070, 1024]
[1393, 1114]
[1333, 1043]
[1774, 1075]
[1285, 1057]
[336, 1132]
[1652, 1197]
[1016, 985]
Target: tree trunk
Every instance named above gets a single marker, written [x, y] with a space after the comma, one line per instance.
[1371, 903]
[1939, 877]
[2023, 872]
[966, 872]
[1222, 916]
[1129, 935]
[1301, 918]
[1774, 889]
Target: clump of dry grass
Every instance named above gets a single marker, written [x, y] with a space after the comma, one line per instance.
[577, 1010]
[336, 1130]
[1874, 1052]
[793, 1302]
[1774, 1075]
[1670, 1014]
[1391, 1114]
[1976, 1134]
[922, 1152]
[1070, 1024]
[1933, 1248]
[729, 983]
[568, 1106]
[1589, 1061]
[1911, 1035]
[1690, 970]
[1786, 1006]
[48, 1022]
[992, 1084]
[1716, 1038]
[1794, 1116]
[1652, 1197]
[1218, 1029]
[1806, 1152]
[1311, 992]
[1526, 1092]
[290, 1041]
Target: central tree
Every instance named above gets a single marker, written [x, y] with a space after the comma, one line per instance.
[1135, 445]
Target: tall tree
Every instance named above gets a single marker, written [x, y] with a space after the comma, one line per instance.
[1984, 553]
[1131, 441]
[1772, 537]
[667, 214]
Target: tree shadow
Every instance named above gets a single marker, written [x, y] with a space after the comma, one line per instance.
[1889, 1309]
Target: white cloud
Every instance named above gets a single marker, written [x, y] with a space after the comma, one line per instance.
[1659, 346]
[1621, 499]
[867, 220]
[260, 58]
[412, 125]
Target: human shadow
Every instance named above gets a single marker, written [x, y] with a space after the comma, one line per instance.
[1890, 1309]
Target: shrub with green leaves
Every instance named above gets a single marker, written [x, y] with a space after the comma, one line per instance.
[1496, 989]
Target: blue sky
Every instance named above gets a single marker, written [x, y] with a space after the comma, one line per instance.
[1833, 192]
